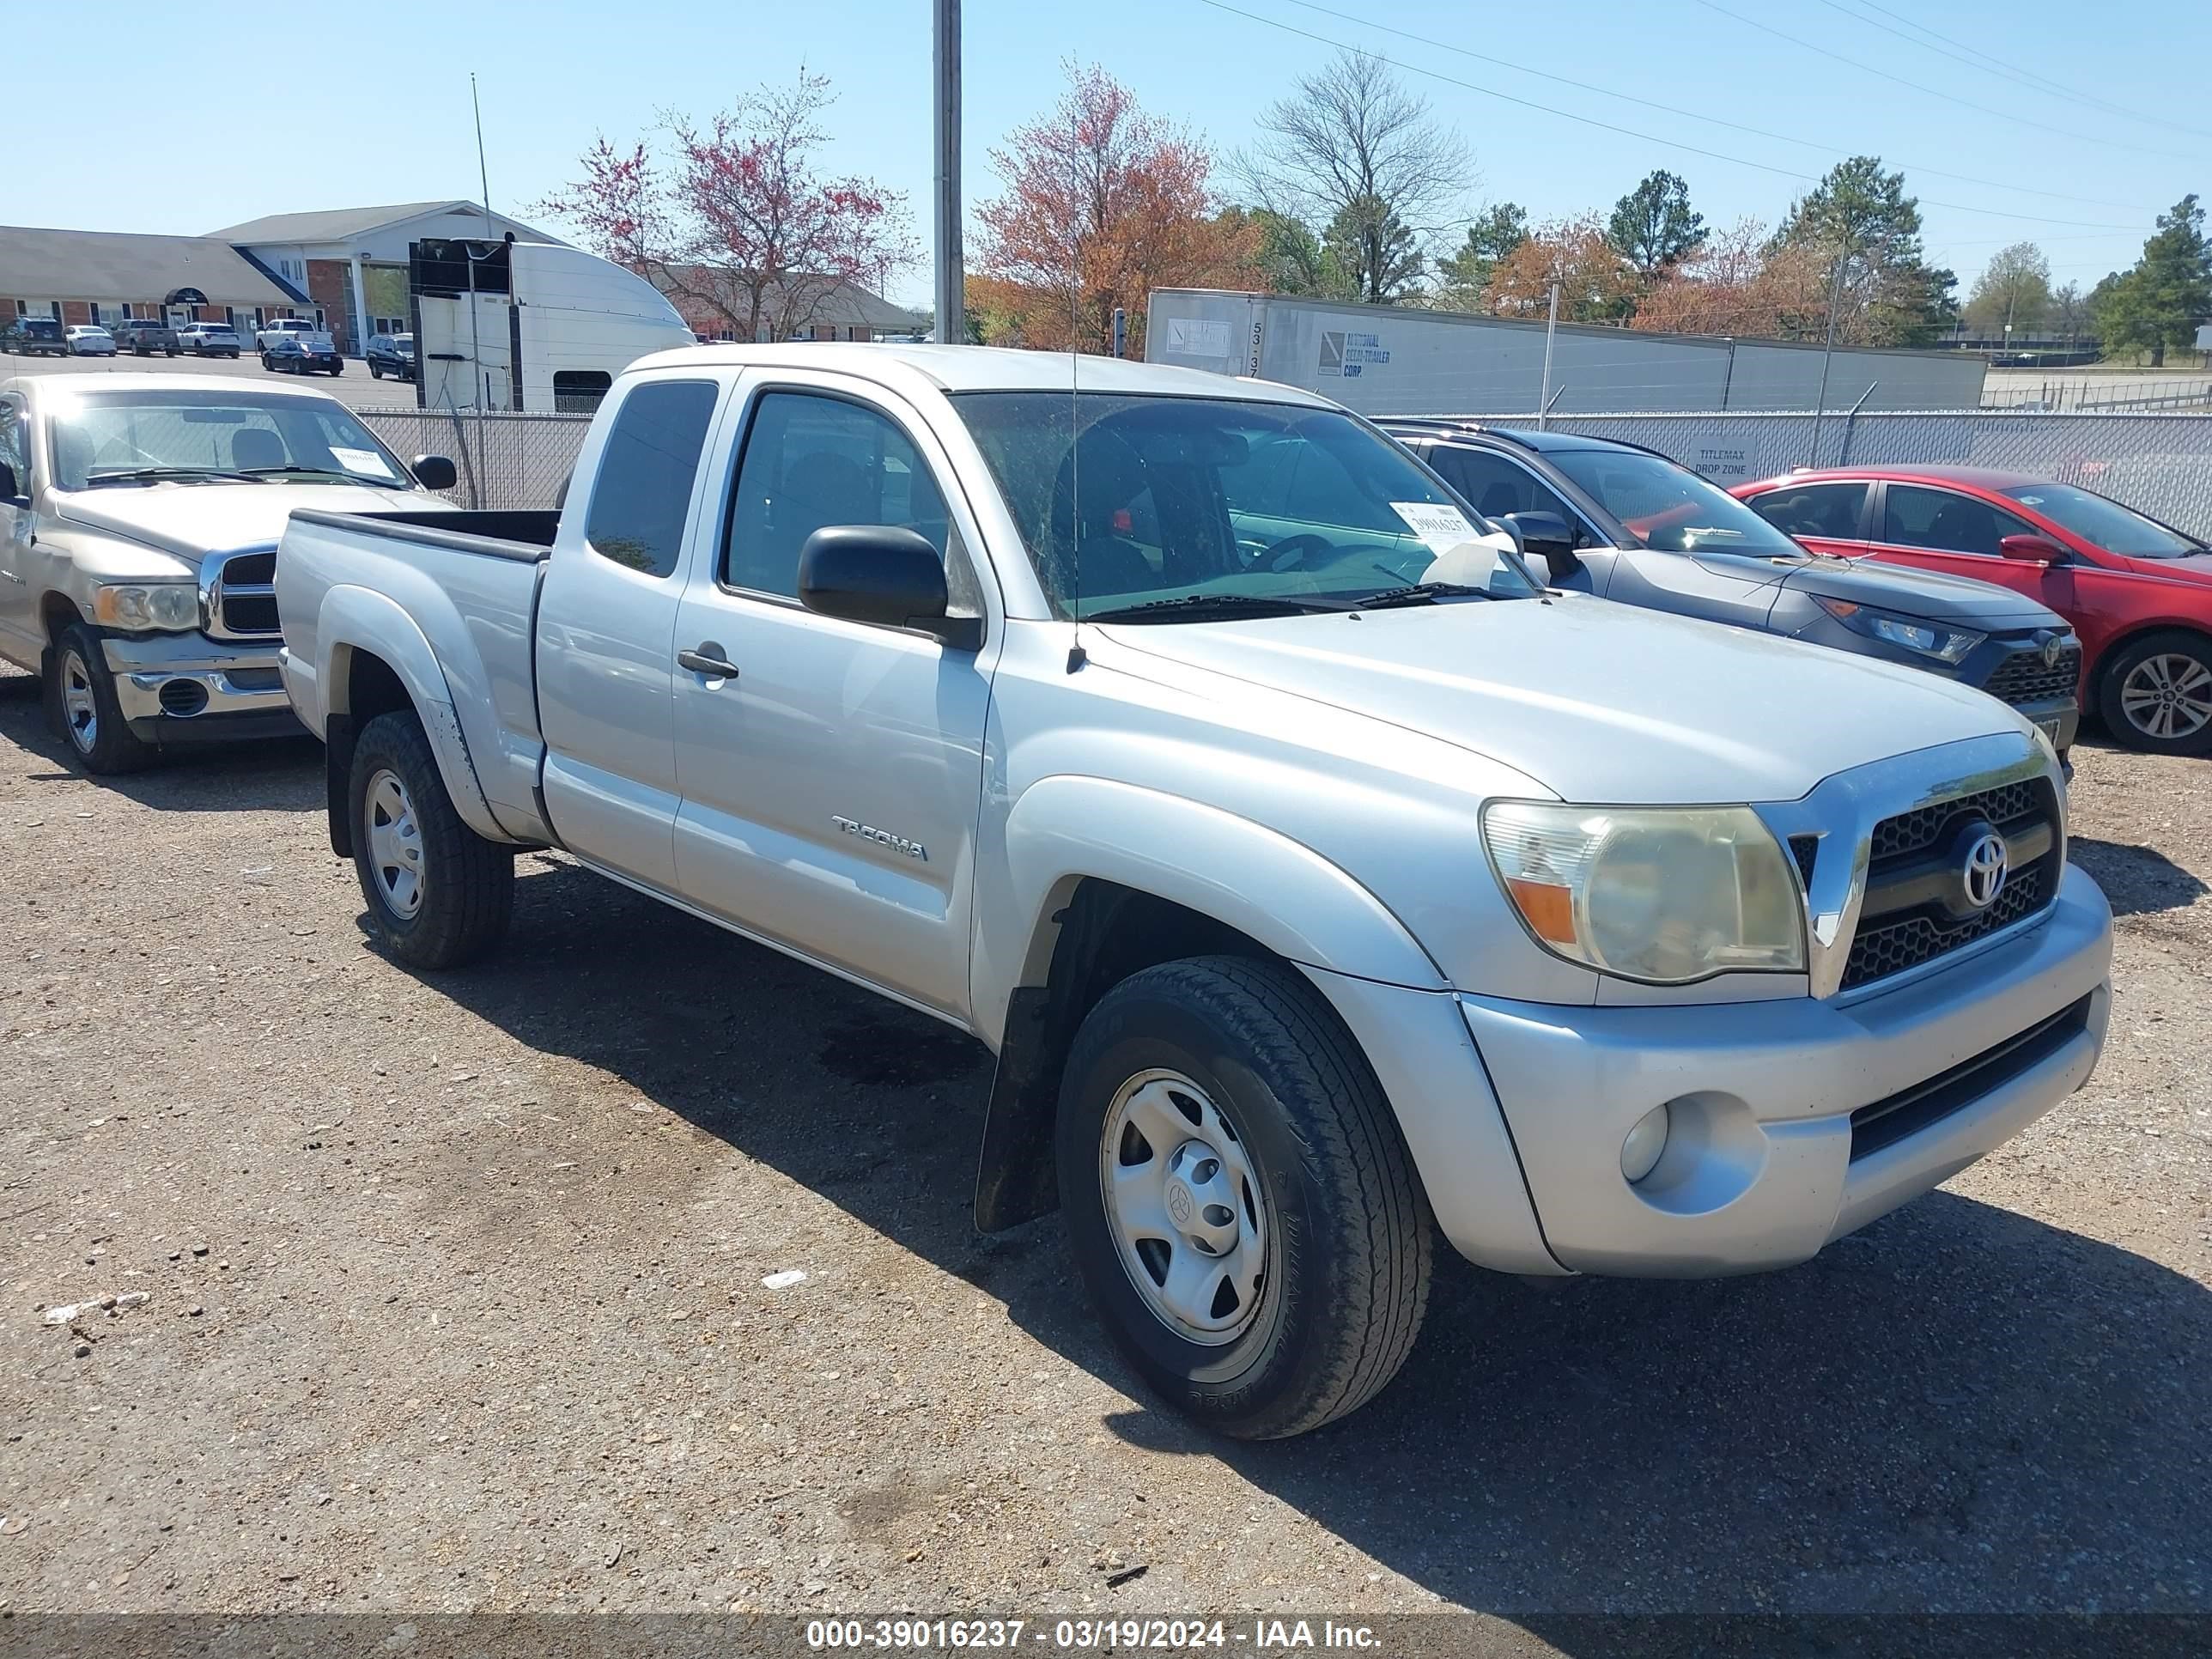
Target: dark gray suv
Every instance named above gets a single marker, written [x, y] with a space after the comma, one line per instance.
[1628, 523]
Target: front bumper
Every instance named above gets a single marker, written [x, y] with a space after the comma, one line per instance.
[1759, 1172]
[186, 688]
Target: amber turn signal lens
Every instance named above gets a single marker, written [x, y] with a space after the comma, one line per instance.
[1548, 910]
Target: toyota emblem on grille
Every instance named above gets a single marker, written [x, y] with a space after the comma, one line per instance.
[2050, 650]
[1985, 869]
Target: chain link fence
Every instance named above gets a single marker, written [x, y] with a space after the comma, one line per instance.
[2160, 464]
[504, 460]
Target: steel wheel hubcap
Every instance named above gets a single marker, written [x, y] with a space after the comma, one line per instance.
[2168, 697]
[80, 707]
[395, 844]
[1185, 1207]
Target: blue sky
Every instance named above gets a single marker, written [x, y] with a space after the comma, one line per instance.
[556, 71]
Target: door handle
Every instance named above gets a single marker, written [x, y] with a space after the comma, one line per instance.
[707, 659]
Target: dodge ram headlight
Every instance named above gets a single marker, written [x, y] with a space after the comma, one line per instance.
[1664, 895]
[173, 607]
[1946, 645]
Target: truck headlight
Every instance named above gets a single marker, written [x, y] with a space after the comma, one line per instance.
[1929, 639]
[1663, 894]
[171, 607]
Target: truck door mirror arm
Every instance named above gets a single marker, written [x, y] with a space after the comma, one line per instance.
[882, 575]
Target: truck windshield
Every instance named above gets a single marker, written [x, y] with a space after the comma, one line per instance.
[1199, 499]
[2100, 519]
[1670, 508]
[184, 433]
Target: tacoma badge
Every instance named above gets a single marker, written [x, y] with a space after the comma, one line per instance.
[913, 850]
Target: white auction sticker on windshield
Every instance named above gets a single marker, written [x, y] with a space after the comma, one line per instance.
[361, 460]
[1440, 526]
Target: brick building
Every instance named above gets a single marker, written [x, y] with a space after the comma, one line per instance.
[832, 311]
[107, 276]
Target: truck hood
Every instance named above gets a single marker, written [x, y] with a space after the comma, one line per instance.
[191, 520]
[1981, 606]
[1601, 702]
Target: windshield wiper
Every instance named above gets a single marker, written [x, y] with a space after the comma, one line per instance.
[311, 471]
[157, 474]
[1421, 593]
[1191, 606]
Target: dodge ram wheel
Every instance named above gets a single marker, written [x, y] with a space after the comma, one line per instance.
[2156, 694]
[439, 894]
[80, 707]
[1238, 1197]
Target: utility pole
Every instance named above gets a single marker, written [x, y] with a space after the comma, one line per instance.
[1551, 325]
[951, 299]
[1835, 304]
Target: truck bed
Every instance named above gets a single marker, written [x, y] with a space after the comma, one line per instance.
[448, 601]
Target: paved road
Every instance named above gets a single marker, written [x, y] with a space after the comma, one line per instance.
[353, 387]
[456, 1295]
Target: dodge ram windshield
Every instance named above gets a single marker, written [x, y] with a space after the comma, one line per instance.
[1199, 507]
[147, 437]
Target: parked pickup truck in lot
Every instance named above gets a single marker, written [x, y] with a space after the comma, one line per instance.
[1321, 881]
[138, 522]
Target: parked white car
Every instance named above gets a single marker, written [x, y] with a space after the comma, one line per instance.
[1321, 879]
[139, 516]
[208, 339]
[90, 340]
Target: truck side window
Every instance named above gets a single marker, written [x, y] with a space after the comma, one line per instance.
[13, 448]
[643, 491]
[811, 461]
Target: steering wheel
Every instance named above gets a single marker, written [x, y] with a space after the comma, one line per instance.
[1293, 552]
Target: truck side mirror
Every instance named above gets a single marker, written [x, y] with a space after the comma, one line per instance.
[8, 490]
[2031, 549]
[883, 574]
[433, 471]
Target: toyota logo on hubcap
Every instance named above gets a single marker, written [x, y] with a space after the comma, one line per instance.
[1984, 871]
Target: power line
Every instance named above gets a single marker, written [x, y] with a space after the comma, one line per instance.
[1630, 132]
[1934, 92]
[1695, 115]
[1993, 64]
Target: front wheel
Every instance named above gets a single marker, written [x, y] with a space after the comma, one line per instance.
[439, 894]
[268, 367]
[82, 709]
[1238, 1197]
[2156, 694]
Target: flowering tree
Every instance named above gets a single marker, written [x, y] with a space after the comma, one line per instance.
[1596, 284]
[1739, 281]
[1103, 204]
[737, 224]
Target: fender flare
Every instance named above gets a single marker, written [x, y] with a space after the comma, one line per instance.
[360, 619]
[1232, 871]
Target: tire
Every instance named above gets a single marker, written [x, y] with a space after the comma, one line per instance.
[337, 369]
[267, 368]
[82, 711]
[2155, 693]
[463, 886]
[1324, 1222]
[375, 373]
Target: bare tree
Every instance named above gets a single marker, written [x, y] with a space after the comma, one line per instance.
[1351, 149]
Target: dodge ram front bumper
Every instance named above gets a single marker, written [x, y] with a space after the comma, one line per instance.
[189, 689]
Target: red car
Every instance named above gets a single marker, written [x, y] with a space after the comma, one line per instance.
[2138, 592]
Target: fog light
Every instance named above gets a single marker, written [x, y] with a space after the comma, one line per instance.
[1640, 1154]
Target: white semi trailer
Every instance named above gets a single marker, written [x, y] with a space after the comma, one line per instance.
[1405, 360]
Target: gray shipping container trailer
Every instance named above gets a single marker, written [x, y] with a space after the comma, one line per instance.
[1401, 359]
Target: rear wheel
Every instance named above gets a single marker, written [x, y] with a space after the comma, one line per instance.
[1238, 1197]
[439, 894]
[2156, 693]
[81, 707]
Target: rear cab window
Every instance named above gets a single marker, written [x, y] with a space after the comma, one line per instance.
[641, 493]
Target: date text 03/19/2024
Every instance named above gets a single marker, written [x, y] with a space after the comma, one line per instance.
[1262, 1636]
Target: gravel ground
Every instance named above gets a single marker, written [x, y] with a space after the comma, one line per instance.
[454, 1295]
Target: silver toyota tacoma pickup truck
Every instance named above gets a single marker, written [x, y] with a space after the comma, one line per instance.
[138, 522]
[1321, 881]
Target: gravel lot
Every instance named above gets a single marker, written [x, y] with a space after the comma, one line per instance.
[455, 1295]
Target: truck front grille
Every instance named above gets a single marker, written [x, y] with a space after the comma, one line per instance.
[2022, 678]
[1901, 926]
[242, 595]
